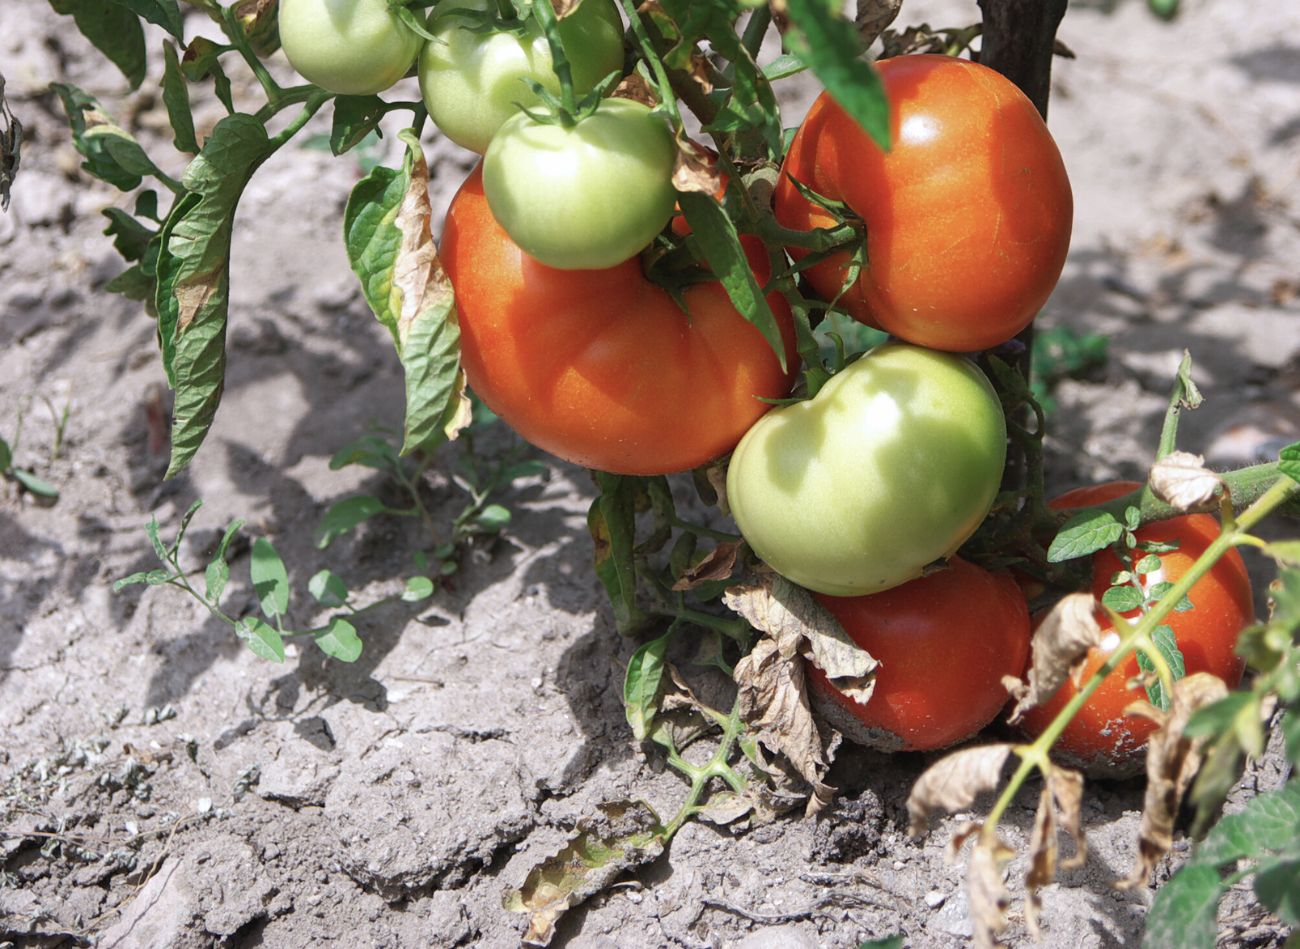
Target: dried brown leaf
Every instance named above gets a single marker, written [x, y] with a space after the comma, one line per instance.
[718, 564]
[462, 415]
[701, 71]
[696, 168]
[1067, 796]
[564, 8]
[1060, 643]
[873, 16]
[637, 89]
[987, 892]
[620, 836]
[953, 782]
[1182, 481]
[1058, 806]
[1172, 762]
[963, 833]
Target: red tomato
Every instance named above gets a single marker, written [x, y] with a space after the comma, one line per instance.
[968, 216]
[602, 367]
[944, 643]
[1101, 738]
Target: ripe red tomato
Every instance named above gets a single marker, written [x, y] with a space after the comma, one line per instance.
[944, 643]
[968, 216]
[602, 367]
[1101, 738]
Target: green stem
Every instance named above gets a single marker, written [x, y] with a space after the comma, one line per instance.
[755, 30]
[545, 15]
[1036, 755]
[651, 55]
[235, 32]
[699, 531]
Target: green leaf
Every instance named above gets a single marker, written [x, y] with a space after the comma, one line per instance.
[151, 531]
[264, 640]
[1084, 534]
[270, 580]
[417, 589]
[1289, 461]
[1291, 735]
[390, 247]
[888, 942]
[1148, 564]
[194, 277]
[6, 456]
[1256, 831]
[1167, 646]
[1121, 599]
[1217, 717]
[152, 577]
[35, 485]
[184, 526]
[1183, 914]
[355, 117]
[1283, 551]
[831, 47]
[113, 29]
[643, 685]
[130, 237]
[1277, 885]
[215, 577]
[85, 115]
[493, 519]
[176, 96]
[612, 523]
[346, 515]
[164, 13]
[370, 451]
[339, 640]
[202, 59]
[716, 235]
[327, 588]
[783, 66]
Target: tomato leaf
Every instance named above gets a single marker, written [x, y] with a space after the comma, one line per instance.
[264, 640]
[390, 247]
[717, 238]
[830, 46]
[1084, 534]
[1183, 914]
[1167, 645]
[270, 580]
[1289, 462]
[176, 96]
[164, 13]
[1123, 598]
[84, 115]
[194, 277]
[355, 117]
[339, 640]
[113, 29]
[1265, 823]
[643, 685]
[612, 523]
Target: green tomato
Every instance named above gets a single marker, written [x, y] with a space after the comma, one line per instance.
[891, 466]
[584, 197]
[349, 47]
[473, 81]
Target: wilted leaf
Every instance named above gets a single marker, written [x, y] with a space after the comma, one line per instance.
[696, 168]
[1172, 761]
[1058, 806]
[718, 564]
[634, 87]
[622, 835]
[987, 892]
[953, 782]
[1182, 481]
[1060, 643]
[873, 16]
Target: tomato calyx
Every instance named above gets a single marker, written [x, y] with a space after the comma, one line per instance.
[404, 10]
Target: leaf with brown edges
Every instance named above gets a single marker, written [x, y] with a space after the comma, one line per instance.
[1060, 644]
[953, 782]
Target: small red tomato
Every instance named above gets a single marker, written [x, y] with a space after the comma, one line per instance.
[944, 642]
[1101, 739]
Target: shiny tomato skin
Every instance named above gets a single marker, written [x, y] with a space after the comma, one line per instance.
[1101, 738]
[968, 216]
[349, 47]
[944, 642]
[601, 367]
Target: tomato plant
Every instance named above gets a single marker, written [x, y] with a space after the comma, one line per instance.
[1101, 737]
[351, 47]
[944, 642]
[473, 78]
[583, 196]
[602, 367]
[891, 466]
[967, 217]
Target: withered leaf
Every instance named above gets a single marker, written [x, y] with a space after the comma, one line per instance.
[696, 168]
[1060, 643]
[987, 892]
[1181, 480]
[1172, 762]
[1058, 806]
[637, 89]
[953, 782]
[718, 564]
[701, 71]
[873, 16]
[620, 836]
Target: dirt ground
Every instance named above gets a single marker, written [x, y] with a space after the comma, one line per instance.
[160, 786]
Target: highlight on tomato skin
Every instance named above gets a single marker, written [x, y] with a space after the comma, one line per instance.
[602, 367]
[968, 216]
[1101, 739]
[944, 642]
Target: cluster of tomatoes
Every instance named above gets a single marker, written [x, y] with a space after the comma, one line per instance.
[854, 493]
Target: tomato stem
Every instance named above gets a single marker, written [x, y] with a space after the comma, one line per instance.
[239, 39]
[669, 100]
[545, 15]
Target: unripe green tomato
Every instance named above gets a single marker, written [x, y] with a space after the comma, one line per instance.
[891, 466]
[585, 197]
[473, 81]
[349, 47]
